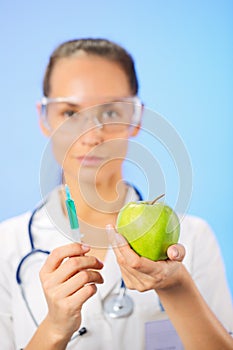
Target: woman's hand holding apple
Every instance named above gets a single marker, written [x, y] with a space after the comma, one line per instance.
[144, 274]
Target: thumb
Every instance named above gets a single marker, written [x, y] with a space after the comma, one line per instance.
[176, 252]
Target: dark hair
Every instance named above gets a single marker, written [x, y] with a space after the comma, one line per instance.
[100, 47]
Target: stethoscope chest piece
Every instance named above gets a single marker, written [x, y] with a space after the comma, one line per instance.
[117, 306]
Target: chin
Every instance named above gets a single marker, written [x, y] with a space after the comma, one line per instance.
[87, 175]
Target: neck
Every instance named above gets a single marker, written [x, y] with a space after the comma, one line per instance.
[103, 198]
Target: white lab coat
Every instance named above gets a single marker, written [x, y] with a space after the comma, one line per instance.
[203, 260]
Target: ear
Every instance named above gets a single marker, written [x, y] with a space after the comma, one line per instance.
[43, 127]
[137, 128]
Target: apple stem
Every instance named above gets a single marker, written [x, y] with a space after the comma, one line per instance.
[157, 198]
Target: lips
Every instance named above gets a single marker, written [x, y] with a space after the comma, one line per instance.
[90, 161]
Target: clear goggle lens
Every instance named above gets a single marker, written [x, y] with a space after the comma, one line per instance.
[111, 117]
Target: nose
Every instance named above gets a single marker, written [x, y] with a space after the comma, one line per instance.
[93, 134]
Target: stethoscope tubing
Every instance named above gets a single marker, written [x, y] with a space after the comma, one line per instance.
[33, 249]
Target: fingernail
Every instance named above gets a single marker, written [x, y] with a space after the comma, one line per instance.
[114, 238]
[109, 228]
[111, 234]
[175, 253]
[85, 247]
[101, 262]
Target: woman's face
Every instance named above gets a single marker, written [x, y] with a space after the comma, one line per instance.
[91, 152]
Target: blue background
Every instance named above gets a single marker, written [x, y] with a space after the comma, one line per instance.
[184, 54]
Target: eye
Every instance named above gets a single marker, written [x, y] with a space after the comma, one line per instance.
[111, 114]
[69, 113]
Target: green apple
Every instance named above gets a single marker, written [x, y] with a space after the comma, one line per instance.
[149, 227]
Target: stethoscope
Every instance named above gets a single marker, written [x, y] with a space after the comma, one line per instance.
[115, 306]
[119, 305]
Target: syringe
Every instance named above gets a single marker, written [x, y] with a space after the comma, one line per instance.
[71, 210]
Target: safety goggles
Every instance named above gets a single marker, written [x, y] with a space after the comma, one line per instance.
[112, 116]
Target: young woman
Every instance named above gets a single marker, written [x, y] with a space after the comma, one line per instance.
[60, 300]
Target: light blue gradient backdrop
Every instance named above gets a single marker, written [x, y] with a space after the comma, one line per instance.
[184, 54]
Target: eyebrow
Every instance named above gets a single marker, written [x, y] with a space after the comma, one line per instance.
[78, 105]
[70, 104]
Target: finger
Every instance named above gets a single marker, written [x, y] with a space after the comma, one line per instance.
[57, 256]
[82, 295]
[114, 237]
[127, 257]
[78, 281]
[176, 252]
[139, 280]
[72, 266]
[118, 241]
